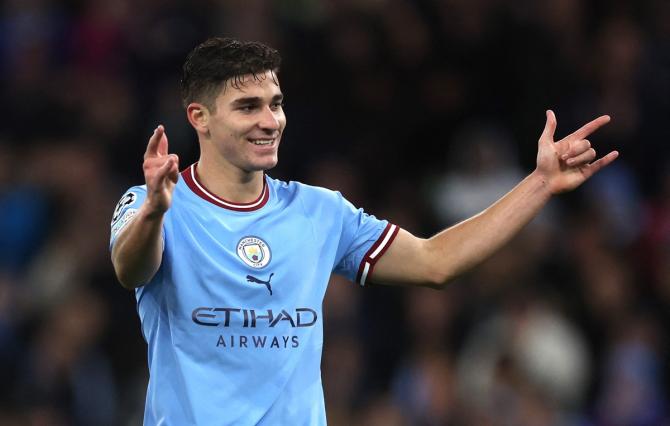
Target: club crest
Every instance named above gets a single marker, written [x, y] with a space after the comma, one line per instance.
[254, 252]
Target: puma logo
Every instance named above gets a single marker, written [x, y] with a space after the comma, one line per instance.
[255, 280]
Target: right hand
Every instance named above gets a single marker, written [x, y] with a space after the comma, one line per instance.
[567, 163]
[161, 172]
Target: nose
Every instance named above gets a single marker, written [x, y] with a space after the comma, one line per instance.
[269, 120]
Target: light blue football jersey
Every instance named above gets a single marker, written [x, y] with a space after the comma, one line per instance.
[233, 317]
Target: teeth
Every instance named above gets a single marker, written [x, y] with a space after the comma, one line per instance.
[262, 141]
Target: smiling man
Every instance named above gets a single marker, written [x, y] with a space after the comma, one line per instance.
[230, 266]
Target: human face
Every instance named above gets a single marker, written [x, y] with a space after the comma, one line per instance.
[246, 127]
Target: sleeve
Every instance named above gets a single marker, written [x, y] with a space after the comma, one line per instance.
[125, 210]
[364, 240]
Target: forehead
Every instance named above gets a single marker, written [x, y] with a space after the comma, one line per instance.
[250, 85]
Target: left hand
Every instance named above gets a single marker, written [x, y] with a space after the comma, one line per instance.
[567, 163]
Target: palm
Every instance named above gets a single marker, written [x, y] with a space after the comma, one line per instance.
[567, 163]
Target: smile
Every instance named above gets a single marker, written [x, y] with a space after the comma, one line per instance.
[262, 141]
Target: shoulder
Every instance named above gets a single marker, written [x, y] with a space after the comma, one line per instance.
[135, 191]
[126, 209]
[308, 194]
[133, 197]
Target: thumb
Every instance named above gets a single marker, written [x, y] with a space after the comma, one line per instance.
[549, 127]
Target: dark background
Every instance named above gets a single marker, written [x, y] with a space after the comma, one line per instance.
[423, 113]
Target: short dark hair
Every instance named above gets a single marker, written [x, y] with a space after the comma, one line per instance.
[215, 61]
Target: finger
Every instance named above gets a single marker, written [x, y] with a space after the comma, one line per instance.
[152, 146]
[590, 127]
[598, 165]
[163, 170]
[163, 141]
[171, 162]
[174, 158]
[173, 173]
[549, 126]
[584, 158]
[576, 148]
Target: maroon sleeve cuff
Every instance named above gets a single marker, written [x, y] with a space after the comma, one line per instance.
[376, 252]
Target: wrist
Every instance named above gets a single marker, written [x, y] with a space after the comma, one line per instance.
[541, 184]
[151, 211]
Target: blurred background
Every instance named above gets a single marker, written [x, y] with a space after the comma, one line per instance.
[423, 112]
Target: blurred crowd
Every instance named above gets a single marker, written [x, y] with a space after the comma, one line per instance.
[423, 112]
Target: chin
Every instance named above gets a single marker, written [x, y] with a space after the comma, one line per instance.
[264, 165]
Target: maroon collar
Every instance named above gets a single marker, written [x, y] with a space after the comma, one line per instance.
[190, 177]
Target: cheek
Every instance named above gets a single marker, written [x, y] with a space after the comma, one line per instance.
[228, 136]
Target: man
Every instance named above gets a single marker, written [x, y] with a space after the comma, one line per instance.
[230, 266]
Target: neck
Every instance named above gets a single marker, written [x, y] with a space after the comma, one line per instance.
[228, 182]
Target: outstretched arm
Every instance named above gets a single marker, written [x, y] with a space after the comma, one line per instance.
[138, 249]
[561, 166]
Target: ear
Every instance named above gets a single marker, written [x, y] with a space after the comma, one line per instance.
[198, 116]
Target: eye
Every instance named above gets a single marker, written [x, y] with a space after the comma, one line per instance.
[277, 105]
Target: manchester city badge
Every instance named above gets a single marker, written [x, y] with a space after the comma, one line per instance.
[254, 252]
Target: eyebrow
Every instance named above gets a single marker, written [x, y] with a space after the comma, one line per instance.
[254, 100]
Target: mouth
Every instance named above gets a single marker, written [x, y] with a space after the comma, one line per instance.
[263, 142]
